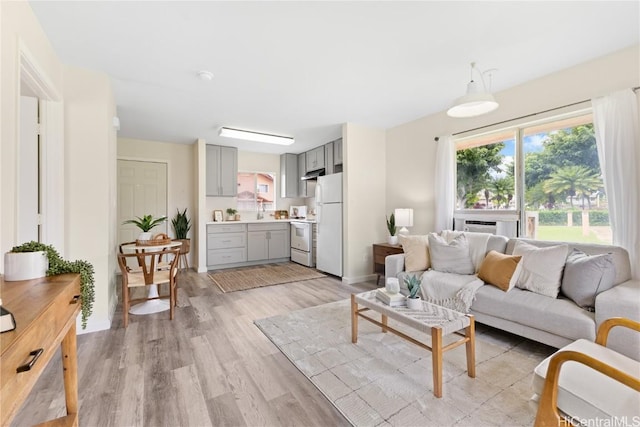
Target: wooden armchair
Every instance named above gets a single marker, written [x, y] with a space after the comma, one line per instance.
[597, 383]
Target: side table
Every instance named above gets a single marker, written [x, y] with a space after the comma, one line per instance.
[380, 252]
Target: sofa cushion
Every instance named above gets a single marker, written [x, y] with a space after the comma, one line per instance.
[497, 269]
[558, 316]
[452, 257]
[586, 276]
[416, 252]
[540, 269]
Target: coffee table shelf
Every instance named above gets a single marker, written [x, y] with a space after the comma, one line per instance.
[433, 319]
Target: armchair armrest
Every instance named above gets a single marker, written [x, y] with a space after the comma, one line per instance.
[393, 265]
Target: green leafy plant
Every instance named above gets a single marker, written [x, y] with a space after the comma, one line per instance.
[57, 265]
[391, 224]
[231, 211]
[181, 224]
[413, 284]
[146, 223]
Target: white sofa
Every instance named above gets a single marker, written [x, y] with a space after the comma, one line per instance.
[553, 321]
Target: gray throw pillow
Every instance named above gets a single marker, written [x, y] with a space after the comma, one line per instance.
[452, 257]
[585, 276]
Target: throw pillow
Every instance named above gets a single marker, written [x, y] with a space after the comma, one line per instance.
[497, 269]
[416, 252]
[585, 276]
[541, 268]
[450, 257]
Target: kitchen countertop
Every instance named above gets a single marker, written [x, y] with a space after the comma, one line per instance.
[258, 221]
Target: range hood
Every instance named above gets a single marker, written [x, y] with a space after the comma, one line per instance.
[313, 174]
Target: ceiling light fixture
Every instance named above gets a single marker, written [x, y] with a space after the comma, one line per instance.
[477, 101]
[256, 136]
[205, 75]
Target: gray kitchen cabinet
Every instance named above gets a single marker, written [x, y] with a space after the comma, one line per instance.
[302, 168]
[337, 151]
[222, 171]
[268, 241]
[328, 158]
[315, 159]
[289, 175]
[226, 244]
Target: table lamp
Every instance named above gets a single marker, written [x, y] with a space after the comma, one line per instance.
[404, 219]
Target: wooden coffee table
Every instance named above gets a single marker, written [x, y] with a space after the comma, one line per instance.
[433, 319]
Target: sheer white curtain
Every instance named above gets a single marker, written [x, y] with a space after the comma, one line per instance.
[445, 185]
[615, 119]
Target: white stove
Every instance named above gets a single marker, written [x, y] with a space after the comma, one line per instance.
[302, 250]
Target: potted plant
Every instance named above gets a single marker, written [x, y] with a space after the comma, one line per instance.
[57, 265]
[146, 223]
[413, 299]
[391, 226]
[181, 226]
[231, 214]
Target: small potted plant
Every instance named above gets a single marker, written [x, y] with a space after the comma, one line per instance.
[181, 226]
[391, 226]
[413, 299]
[146, 223]
[231, 214]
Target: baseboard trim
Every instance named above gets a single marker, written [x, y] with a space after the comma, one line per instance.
[93, 325]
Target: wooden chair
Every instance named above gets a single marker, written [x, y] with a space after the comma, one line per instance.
[598, 384]
[148, 274]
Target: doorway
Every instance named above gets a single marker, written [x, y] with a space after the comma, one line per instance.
[142, 190]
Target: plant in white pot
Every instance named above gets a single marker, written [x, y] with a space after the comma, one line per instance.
[146, 223]
[391, 227]
[413, 299]
[57, 265]
[181, 226]
[231, 214]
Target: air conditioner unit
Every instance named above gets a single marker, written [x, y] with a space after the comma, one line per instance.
[502, 228]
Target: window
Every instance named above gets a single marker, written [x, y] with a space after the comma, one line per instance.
[547, 174]
[256, 191]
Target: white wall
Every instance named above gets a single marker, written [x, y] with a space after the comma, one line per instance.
[90, 179]
[364, 178]
[411, 148]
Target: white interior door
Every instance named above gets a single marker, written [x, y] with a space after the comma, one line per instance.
[142, 190]
[28, 172]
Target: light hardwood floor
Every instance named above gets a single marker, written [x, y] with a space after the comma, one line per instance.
[209, 366]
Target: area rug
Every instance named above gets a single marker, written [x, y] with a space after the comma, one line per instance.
[262, 275]
[385, 380]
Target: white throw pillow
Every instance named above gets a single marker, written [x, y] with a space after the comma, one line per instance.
[540, 268]
[452, 257]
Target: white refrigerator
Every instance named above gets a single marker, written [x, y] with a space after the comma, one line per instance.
[329, 224]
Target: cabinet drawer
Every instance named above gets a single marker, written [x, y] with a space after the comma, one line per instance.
[226, 256]
[226, 228]
[226, 240]
[269, 226]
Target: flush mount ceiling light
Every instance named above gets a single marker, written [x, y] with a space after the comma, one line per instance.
[256, 136]
[477, 101]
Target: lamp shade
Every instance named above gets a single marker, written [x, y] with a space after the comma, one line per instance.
[474, 103]
[404, 219]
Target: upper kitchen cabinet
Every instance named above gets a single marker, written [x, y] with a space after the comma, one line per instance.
[222, 171]
[302, 168]
[337, 151]
[328, 158]
[289, 176]
[315, 159]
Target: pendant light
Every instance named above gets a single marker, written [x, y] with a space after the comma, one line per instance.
[477, 101]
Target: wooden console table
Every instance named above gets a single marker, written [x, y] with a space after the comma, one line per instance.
[380, 252]
[45, 310]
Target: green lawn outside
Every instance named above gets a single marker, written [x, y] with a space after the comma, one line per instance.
[600, 235]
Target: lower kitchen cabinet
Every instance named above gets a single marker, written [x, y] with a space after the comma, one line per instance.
[226, 244]
[268, 241]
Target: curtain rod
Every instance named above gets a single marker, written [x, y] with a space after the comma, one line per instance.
[525, 116]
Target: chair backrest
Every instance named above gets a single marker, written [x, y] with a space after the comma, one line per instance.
[148, 262]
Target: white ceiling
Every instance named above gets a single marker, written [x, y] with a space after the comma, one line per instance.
[302, 69]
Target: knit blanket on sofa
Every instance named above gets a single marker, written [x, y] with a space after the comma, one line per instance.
[454, 291]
